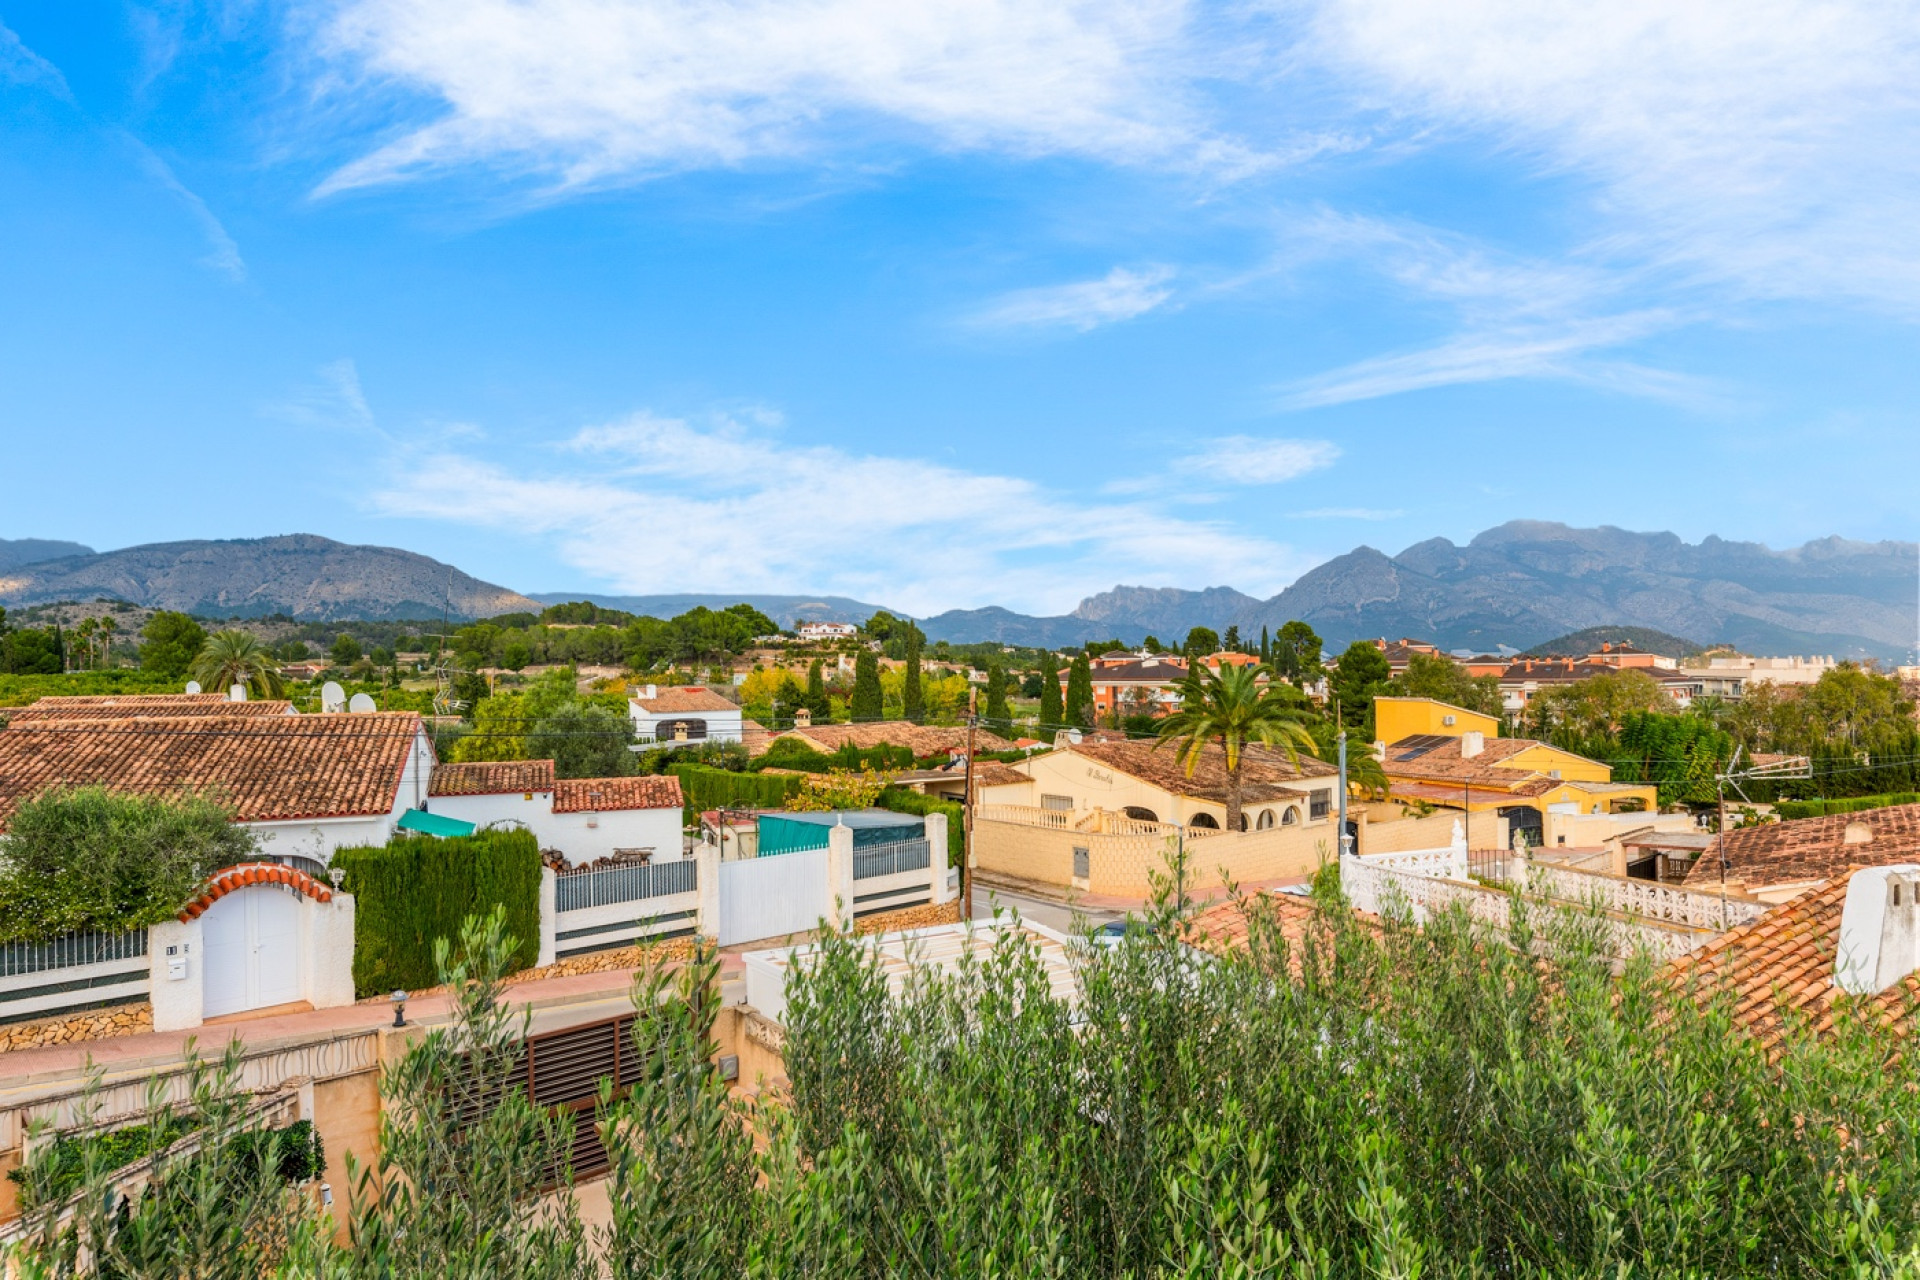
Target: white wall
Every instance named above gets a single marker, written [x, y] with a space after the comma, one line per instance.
[582, 837]
[317, 838]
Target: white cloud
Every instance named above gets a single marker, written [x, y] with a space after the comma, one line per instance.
[1347, 513]
[223, 255]
[587, 90]
[1251, 460]
[662, 504]
[1769, 145]
[1121, 294]
[23, 66]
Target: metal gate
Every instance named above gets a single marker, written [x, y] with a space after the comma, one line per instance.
[562, 1071]
[771, 897]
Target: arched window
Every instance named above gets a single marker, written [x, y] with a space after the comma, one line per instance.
[1266, 819]
[1203, 821]
[1243, 821]
[1291, 817]
[1140, 814]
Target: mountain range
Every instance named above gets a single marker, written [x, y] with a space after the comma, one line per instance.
[1519, 584]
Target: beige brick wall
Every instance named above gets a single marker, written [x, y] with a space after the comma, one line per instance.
[1386, 833]
[1123, 866]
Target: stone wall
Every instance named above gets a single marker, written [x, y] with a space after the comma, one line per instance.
[919, 917]
[94, 1024]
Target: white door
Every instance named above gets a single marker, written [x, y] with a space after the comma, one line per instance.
[250, 950]
[771, 897]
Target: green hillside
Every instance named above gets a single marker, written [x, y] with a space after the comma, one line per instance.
[1581, 643]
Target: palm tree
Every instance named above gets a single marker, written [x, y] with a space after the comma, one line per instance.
[1366, 776]
[1229, 708]
[236, 657]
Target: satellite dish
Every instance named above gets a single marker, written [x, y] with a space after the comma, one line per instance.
[193, 686]
[332, 697]
[360, 703]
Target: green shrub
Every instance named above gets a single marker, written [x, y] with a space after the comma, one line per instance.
[901, 800]
[417, 889]
[301, 1156]
[703, 788]
[1855, 804]
[84, 858]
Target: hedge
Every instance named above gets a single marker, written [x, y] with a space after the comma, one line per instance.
[416, 889]
[1854, 804]
[901, 800]
[702, 788]
[300, 1155]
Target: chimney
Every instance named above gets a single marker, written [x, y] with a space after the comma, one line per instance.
[236, 693]
[1858, 833]
[1879, 929]
[1472, 743]
[803, 718]
[651, 692]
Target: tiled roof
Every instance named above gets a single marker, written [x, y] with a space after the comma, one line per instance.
[123, 706]
[1784, 960]
[1224, 926]
[602, 795]
[1444, 763]
[266, 767]
[1147, 671]
[690, 698]
[1265, 773]
[491, 778]
[1812, 848]
[921, 739]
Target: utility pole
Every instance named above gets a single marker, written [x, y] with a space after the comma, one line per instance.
[966, 814]
[1340, 840]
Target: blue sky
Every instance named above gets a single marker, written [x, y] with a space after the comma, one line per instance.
[954, 303]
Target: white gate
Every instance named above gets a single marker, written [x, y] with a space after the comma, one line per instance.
[771, 897]
[250, 950]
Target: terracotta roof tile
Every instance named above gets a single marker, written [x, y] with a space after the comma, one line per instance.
[602, 795]
[921, 739]
[1784, 961]
[1811, 848]
[1224, 926]
[672, 701]
[266, 767]
[1265, 773]
[491, 778]
[124, 706]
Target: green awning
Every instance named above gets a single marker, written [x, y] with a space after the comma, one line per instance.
[432, 824]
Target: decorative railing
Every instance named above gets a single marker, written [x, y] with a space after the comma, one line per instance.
[890, 859]
[1645, 899]
[129, 1098]
[1025, 815]
[1449, 862]
[578, 890]
[1381, 890]
[70, 951]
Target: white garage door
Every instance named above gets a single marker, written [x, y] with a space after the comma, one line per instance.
[250, 944]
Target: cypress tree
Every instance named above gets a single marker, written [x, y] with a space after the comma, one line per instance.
[912, 697]
[1080, 693]
[1266, 648]
[817, 701]
[1049, 691]
[866, 707]
[997, 711]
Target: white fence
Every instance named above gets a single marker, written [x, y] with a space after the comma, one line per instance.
[70, 973]
[887, 877]
[617, 907]
[773, 897]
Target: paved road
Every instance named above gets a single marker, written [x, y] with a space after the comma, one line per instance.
[1051, 912]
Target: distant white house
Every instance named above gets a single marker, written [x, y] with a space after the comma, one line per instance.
[584, 819]
[827, 631]
[683, 716]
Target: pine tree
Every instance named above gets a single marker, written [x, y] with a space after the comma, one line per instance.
[1080, 693]
[1049, 691]
[997, 711]
[867, 707]
[913, 698]
[817, 694]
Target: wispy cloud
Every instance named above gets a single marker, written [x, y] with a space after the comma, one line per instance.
[587, 90]
[223, 255]
[653, 503]
[335, 403]
[1347, 513]
[1247, 460]
[22, 65]
[1121, 294]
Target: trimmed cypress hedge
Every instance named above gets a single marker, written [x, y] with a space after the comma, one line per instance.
[703, 788]
[1854, 804]
[416, 889]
